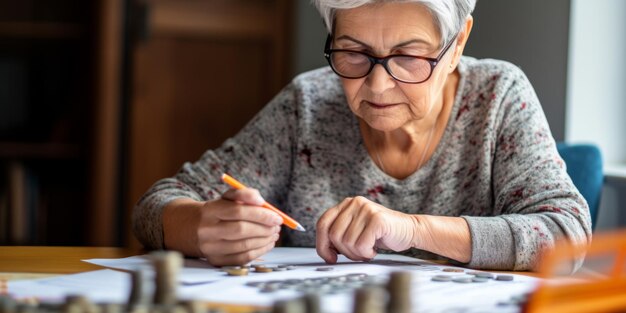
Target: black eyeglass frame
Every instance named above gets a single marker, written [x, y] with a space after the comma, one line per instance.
[385, 60]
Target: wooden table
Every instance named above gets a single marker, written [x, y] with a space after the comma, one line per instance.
[55, 260]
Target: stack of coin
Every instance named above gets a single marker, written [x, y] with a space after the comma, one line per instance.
[77, 304]
[399, 288]
[194, 306]
[289, 306]
[369, 300]
[7, 304]
[312, 303]
[167, 264]
[140, 288]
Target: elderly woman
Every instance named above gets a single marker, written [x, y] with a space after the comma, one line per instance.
[401, 144]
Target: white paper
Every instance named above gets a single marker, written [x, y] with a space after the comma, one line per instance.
[99, 286]
[195, 271]
[204, 282]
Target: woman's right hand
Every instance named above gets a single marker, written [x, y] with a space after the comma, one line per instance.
[233, 230]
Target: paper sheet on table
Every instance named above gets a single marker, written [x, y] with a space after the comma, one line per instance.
[198, 271]
[195, 271]
[99, 286]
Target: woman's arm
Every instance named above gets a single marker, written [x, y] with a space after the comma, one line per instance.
[356, 227]
[447, 236]
[224, 231]
[259, 155]
[536, 203]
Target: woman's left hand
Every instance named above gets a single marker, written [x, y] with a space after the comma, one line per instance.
[357, 226]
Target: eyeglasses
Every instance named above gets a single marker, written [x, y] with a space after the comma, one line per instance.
[404, 68]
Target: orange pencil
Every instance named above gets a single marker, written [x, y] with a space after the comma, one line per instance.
[290, 222]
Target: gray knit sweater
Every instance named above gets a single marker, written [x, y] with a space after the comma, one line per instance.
[496, 166]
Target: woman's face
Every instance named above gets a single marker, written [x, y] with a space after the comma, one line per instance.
[381, 30]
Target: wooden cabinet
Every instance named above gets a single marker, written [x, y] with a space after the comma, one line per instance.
[100, 99]
[59, 62]
[200, 70]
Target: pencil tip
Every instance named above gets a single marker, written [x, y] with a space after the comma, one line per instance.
[300, 228]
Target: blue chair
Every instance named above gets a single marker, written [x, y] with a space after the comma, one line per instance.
[584, 166]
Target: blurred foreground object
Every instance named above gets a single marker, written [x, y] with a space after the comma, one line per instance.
[599, 287]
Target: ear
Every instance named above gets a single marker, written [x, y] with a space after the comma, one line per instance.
[461, 40]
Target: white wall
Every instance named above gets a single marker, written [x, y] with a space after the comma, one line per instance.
[596, 86]
[596, 96]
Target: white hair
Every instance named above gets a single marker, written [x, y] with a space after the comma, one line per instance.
[448, 15]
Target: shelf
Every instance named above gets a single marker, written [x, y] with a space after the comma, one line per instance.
[41, 30]
[39, 150]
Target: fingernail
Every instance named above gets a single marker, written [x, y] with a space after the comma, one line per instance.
[278, 220]
[275, 237]
[259, 199]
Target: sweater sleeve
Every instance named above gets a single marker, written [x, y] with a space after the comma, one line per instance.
[259, 156]
[536, 203]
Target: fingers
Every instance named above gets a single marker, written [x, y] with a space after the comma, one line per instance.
[249, 213]
[228, 247]
[246, 195]
[360, 237]
[232, 232]
[325, 249]
[338, 231]
[351, 228]
[365, 244]
[240, 258]
[238, 230]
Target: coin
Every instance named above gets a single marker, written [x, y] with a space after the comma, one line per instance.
[263, 269]
[453, 270]
[504, 277]
[255, 284]
[479, 279]
[237, 272]
[324, 269]
[441, 278]
[462, 280]
[268, 289]
[484, 275]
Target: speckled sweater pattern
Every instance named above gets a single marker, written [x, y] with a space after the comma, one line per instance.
[496, 166]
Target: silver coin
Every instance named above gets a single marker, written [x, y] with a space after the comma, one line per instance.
[453, 270]
[462, 280]
[324, 269]
[480, 279]
[441, 278]
[504, 277]
[268, 289]
[484, 275]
